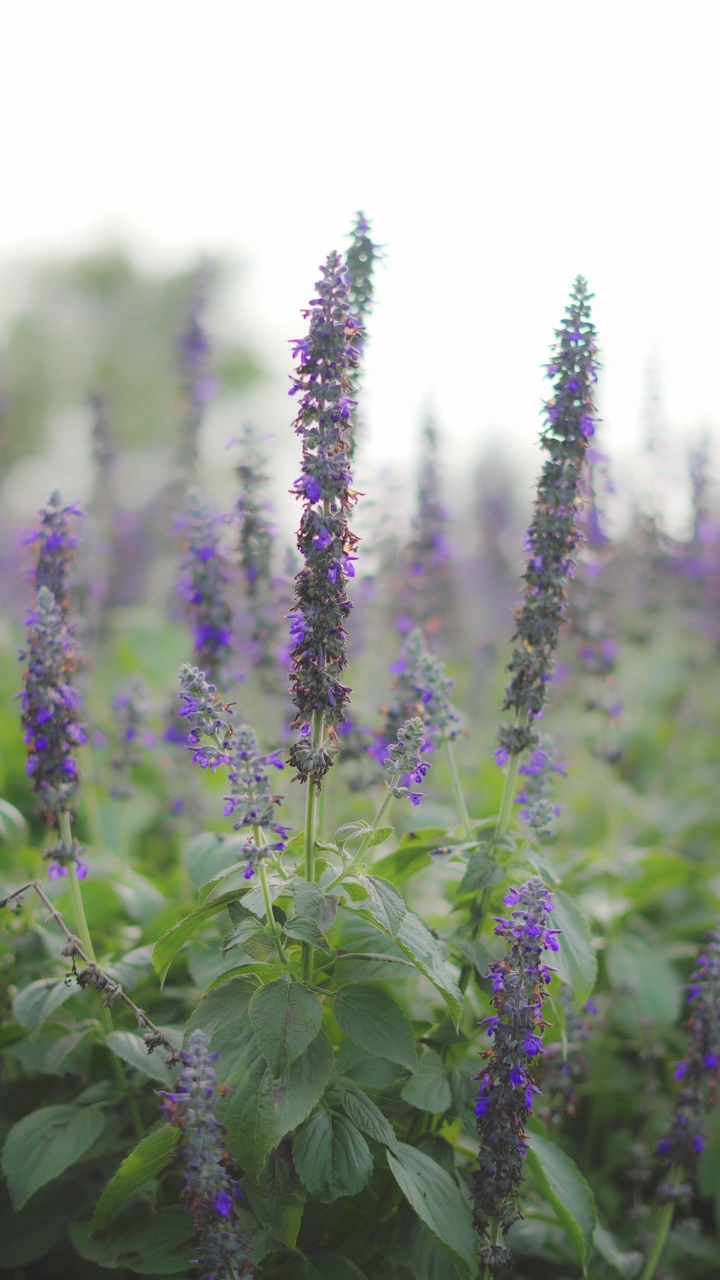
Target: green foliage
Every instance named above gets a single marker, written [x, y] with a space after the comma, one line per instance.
[44, 1144]
[567, 1191]
[146, 1161]
[331, 1157]
[439, 1203]
[369, 1016]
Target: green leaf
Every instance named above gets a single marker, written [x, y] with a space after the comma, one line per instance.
[303, 929]
[209, 854]
[249, 934]
[576, 961]
[383, 904]
[476, 952]
[223, 1014]
[27, 1236]
[369, 1016]
[331, 1157]
[328, 1266]
[207, 887]
[161, 1245]
[429, 1090]
[133, 1050]
[650, 981]
[167, 947]
[313, 903]
[482, 872]
[278, 1197]
[439, 1203]
[44, 1144]
[368, 1118]
[13, 826]
[415, 851]
[564, 1187]
[349, 830]
[34, 1004]
[418, 943]
[285, 1016]
[302, 1085]
[627, 1264]
[152, 1154]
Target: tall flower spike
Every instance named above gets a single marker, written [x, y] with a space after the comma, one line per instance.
[264, 591]
[327, 357]
[211, 1192]
[251, 802]
[203, 585]
[49, 716]
[427, 552]
[535, 794]
[54, 544]
[506, 1089]
[685, 1137]
[198, 385]
[422, 689]
[553, 533]
[132, 707]
[360, 261]
[404, 757]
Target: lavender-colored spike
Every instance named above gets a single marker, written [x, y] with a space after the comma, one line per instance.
[322, 380]
[505, 1082]
[553, 533]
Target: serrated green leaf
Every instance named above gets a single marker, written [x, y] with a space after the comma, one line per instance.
[563, 1185]
[313, 903]
[278, 1197]
[481, 872]
[429, 1090]
[369, 1016]
[133, 1050]
[37, 1002]
[207, 886]
[349, 830]
[418, 943]
[44, 1144]
[302, 1085]
[156, 1246]
[331, 1157]
[368, 1117]
[576, 961]
[384, 904]
[439, 1203]
[285, 1016]
[167, 947]
[250, 936]
[152, 1154]
[302, 929]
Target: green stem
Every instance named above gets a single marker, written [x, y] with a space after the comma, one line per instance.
[458, 791]
[508, 796]
[494, 1235]
[81, 925]
[365, 842]
[318, 725]
[273, 928]
[661, 1231]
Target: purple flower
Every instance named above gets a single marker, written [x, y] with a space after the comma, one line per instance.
[203, 585]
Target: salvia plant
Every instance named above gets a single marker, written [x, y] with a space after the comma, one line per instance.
[349, 1033]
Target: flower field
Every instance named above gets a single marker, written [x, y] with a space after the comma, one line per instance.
[359, 893]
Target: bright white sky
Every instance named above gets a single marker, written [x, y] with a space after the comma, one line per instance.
[499, 149]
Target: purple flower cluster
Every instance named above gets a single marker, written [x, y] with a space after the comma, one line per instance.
[50, 705]
[251, 802]
[210, 1193]
[322, 380]
[685, 1138]
[535, 795]
[506, 1088]
[360, 261]
[404, 757]
[54, 545]
[553, 533]
[213, 742]
[264, 591]
[421, 689]
[203, 583]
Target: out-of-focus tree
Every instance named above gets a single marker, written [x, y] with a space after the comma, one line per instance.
[103, 322]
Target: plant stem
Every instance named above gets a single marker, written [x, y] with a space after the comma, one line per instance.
[458, 791]
[272, 922]
[661, 1231]
[318, 725]
[365, 842]
[494, 1234]
[81, 925]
